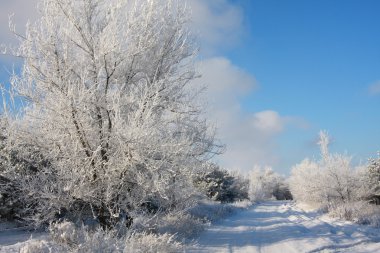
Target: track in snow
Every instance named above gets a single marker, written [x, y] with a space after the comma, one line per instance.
[279, 226]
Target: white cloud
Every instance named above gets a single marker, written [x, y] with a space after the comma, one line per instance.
[250, 137]
[268, 122]
[223, 79]
[219, 23]
[374, 89]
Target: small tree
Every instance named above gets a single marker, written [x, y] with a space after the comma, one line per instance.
[109, 105]
[370, 189]
[221, 185]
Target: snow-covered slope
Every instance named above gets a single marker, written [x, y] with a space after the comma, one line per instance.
[281, 227]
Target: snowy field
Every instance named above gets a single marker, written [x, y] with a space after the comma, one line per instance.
[280, 226]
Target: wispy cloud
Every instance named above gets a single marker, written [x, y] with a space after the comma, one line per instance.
[374, 88]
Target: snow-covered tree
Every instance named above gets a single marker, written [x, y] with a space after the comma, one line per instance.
[108, 104]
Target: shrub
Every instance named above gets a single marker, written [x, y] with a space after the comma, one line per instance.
[266, 184]
[282, 191]
[359, 211]
[40, 246]
[333, 185]
[69, 238]
[328, 182]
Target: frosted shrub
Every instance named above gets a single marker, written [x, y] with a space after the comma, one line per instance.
[359, 211]
[367, 214]
[347, 211]
[333, 185]
[266, 184]
[41, 246]
[182, 224]
[327, 182]
[306, 183]
[151, 243]
[65, 233]
[35, 246]
[82, 240]
[99, 241]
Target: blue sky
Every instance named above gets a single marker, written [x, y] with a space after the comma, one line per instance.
[278, 71]
[315, 60]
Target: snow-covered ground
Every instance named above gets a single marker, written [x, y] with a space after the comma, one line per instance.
[281, 227]
[12, 238]
[273, 226]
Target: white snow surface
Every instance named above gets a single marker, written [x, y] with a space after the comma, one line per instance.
[272, 226]
[13, 238]
[281, 227]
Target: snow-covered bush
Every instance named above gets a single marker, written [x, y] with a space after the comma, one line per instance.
[65, 233]
[361, 212]
[347, 211]
[18, 163]
[306, 183]
[266, 184]
[221, 185]
[330, 183]
[40, 246]
[70, 238]
[151, 243]
[181, 223]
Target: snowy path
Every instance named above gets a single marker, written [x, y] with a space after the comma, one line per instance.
[279, 226]
[12, 239]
